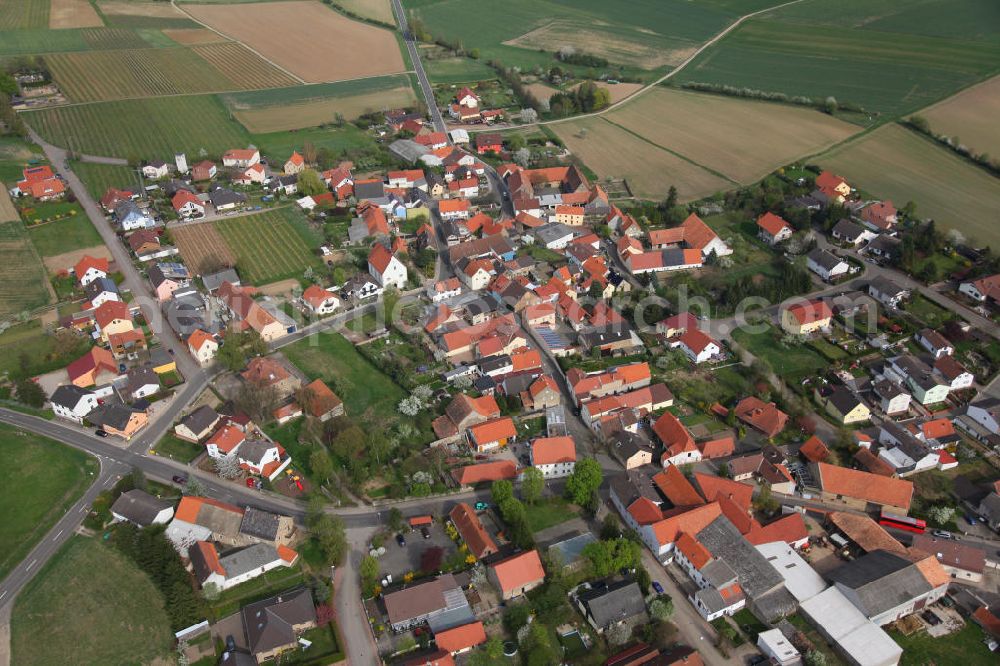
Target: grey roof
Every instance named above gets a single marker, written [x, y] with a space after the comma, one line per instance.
[186, 314]
[254, 449]
[514, 384]
[159, 356]
[200, 419]
[141, 376]
[711, 599]
[989, 507]
[99, 286]
[484, 383]
[69, 395]
[492, 363]
[238, 562]
[604, 336]
[268, 624]
[112, 414]
[156, 164]
[626, 444]
[824, 259]
[844, 400]
[261, 524]
[156, 276]
[408, 150]
[369, 190]
[553, 231]
[213, 281]
[884, 244]
[887, 389]
[571, 549]
[718, 574]
[848, 230]
[237, 658]
[615, 602]
[884, 285]
[224, 197]
[725, 542]
[881, 580]
[138, 507]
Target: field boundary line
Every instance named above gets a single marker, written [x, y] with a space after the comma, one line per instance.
[672, 152]
[247, 46]
[641, 91]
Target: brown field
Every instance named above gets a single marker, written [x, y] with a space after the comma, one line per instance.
[313, 114]
[542, 91]
[194, 36]
[73, 14]
[971, 115]
[202, 247]
[8, 213]
[307, 39]
[559, 33]
[108, 75]
[61, 262]
[611, 152]
[743, 139]
[244, 67]
[151, 9]
[380, 10]
[898, 164]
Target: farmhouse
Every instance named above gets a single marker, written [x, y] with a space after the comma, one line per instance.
[692, 234]
[240, 158]
[860, 490]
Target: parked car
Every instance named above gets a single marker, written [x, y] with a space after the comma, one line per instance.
[400, 540]
[969, 518]
[177, 478]
[101, 433]
[657, 587]
[941, 534]
[482, 506]
[426, 533]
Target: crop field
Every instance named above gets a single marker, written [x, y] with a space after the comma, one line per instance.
[160, 15]
[16, 14]
[203, 247]
[743, 139]
[379, 10]
[267, 245]
[113, 38]
[328, 46]
[896, 58]
[99, 177]
[898, 164]
[73, 14]
[336, 139]
[194, 36]
[313, 114]
[15, 42]
[457, 70]
[108, 75]
[23, 281]
[610, 151]
[243, 67]
[8, 213]
[240, 101]
[142, 128]
[971, 115]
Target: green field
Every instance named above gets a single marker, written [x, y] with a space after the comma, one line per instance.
[296, 94]
[920, 649]
[40, 352]
[889, 57]
[99, 177]
[791, 362]
[40, 40]
[23, 280]
[338, 140]
[50, 477]
[141, 128]
[92, 603]
[270, 246]
[458, 70]
[548, 512]
[66, 235]
[15, 14]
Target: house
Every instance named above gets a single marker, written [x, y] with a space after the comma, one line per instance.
[204, 519]
[720, 447]
[918, 379]
[461, 639]
[674, 486]
[720, 592]
[386, 268]
[861, 490]
[100, 291]
[765, 417]
[321, 402]
[571, 216]
[983, 290]
[248, 313]
[212, 281]
[826, 265]
[187, 205]
[554, 457]
[73, 402]
[833, 187]
[845, 406]
[268, 372]
[203, 346]
[442, 290]
[89, 269]
[197, 425]
[113, 317]
[319, 301]
[679, 446]
[438, 602]
[986, 413]
[698, 346]
[515, 575]
[692, 234]
[803, 318]
[493, 434]
[225, 441]
[893, 400]
[142, 382]
[814, 450]
[254, 174]
[471, 529]
[263, 457]
[850, 232]
[360, 287]
[224, 199]
[164, 286]
[953, 373]
[204, 170]
[934, 342]
[273, 626]
[237, 566]
[454, 209]
[130, 217]
[553, 236]
[488, 472]
[488, 143]
[141, 509]
[631, 450]
[676, 324]
[97, 366]
[295, 164]
[112, 196]
[542, 393]
[887, 292]
[608, 604]
[240, 158]
[772, 229]
[959, 560]
[118, 420]
[41, 183]
[880, 215]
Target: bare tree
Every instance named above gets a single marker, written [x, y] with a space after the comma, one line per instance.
[228, 467]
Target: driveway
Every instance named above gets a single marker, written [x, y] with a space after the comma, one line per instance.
[398, 560]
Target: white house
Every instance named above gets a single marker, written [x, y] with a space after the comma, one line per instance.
[386, 268]
[238, 566]
[555, 457]
[130, 217]
[187, 205]
[986, 413]
[320, 301]
[140, 508]
[73, 403]
[253, 174]
[202, 346]
[156, 169]
[476, 274]
[887, 292]
[982, 289]
[442, 290]
[698, 346]
[826, 265]
[262, 456]
[241, 158]
[922, 383]
[954, 373]
[934, 342]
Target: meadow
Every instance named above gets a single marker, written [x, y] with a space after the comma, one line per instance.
[337, 139]
[72, 233]
[24, 284]
[159, 15]
[50, 478]
[61, 605]
[895, 163]
[742, 139]
[141, 128]
[99, 177]
[612, 152]
[894, 59]
[971, 115]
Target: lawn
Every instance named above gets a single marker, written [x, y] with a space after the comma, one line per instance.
[23, 279]
[99, 177]
[927, 311]
[171, 447]
[141, 128]
[66, 235]
[56, 614]
[889, 161]
[269, 246]
[888, 57]
[49, 478]
[548, 512]
[793, 361]
[261, 587]
[919, 648]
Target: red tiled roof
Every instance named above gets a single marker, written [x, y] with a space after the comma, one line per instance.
[321, 399]
[696, 340]
[87, 262]
[810, 312]
[828, 180]
[109, 311]
[380, 257]
[676, 488]
[227, 438]
[645, 511]
[210, 556]
[472, 531]
[772, 224]
[96, 359]
[190, 506]
[453, 205]
[674, 436]
[490, 471]
[692, 521]
[814, 450]
[695, 551]
[713, 487]
[790, 529]
[519, 570]
[552, 450]
[765, 417]
[493, 430]
[459, 639]
[717, 448]
[864, 486]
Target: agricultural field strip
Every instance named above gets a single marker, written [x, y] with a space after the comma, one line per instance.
[971, 115]
[268, 119]
[24, 284]
[200, 242]
[266, 245]
[15, 14]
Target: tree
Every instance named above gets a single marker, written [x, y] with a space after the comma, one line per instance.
[586, 478]
[29, 393]
[491, 652]
[764, 502]
[193, 487]
[328, 532]
[607, 557]
[661, 608]
[532, 484]
[310, 183]
[309, 152]
[610, 527]
[830, 105]
[227, 467]
[815, 658]
[522, 157]
[618, 634]
[321, 464]
[369, 574]
[529, 115]
[211, 591]
[501, 490]
[671, 199]
[257, 402]
[539, 649]
[395, 519]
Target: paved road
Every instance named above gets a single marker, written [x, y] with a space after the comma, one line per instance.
[418, 66]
